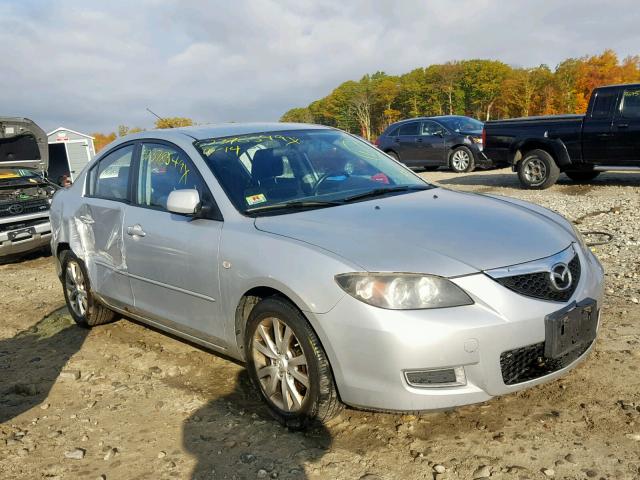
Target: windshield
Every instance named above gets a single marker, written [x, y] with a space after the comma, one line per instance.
[462, 124]
[12, 174]
[313, 167]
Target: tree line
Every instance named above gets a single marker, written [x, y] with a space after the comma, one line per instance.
[100, 140]
[484, 89]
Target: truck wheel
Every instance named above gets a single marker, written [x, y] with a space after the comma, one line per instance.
[538, 170]
[461, 160]
[82, 305]
[288, 366]
[582, 176]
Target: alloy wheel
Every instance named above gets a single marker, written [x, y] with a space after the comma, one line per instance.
[281, 364]
[460, 160]
[535, 171]
[76, 288]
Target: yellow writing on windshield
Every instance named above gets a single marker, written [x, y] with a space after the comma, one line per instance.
[238, 145]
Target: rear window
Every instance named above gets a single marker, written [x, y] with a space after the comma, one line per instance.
[603, 104]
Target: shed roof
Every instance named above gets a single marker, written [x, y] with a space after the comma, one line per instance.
[69, 130]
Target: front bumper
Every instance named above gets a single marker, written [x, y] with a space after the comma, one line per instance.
[371, 348]
[37, 235]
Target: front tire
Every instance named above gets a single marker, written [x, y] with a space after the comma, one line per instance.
[288, 366]
[538, 170]
[585, 176]
[461, 160]
[81, 303]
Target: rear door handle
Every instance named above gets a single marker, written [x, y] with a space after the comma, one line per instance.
[622, 125]
[419, 140]
[136, 231]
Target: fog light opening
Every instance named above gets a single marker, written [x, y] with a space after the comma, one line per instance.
[436, 378]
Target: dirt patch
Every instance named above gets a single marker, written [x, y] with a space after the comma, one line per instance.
[127, 402]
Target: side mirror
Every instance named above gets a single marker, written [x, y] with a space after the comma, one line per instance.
[184, 201]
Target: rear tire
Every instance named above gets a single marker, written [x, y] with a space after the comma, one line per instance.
[537, 170]
[461, 160]
[297, 394]
[81, 303]
[393, 155]
[585, 176]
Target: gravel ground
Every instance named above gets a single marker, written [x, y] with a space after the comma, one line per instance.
[126, 402]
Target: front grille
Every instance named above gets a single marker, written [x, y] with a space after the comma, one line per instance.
[528, 363]
[11, 209]
[7, 227]
[538, 284]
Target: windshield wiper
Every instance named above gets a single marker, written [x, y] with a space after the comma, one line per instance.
[292, 205]
[378, 192]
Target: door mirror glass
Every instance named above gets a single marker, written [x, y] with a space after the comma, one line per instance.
[186, 202]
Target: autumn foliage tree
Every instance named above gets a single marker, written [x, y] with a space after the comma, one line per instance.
[484, 89]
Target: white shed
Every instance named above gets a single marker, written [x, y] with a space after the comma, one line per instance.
[69, 152]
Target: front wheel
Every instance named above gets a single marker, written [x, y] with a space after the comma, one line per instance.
[461, 160]
[537, 170]
[289, 367]
[81, 303]
[582, 176]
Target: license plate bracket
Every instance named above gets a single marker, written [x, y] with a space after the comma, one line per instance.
[22, 234]
[570, 328]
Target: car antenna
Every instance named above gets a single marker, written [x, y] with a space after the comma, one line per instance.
[156, 115]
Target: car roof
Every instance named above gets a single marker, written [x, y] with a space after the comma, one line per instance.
[435, 117]
[203, 132]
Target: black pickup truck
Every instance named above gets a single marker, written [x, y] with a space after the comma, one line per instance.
[607, 137]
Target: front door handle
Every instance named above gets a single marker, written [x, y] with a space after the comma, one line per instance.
[622, 125]
[136, 231]
[419, 140]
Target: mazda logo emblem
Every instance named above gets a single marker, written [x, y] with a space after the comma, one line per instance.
[560, 277]
[16, 209]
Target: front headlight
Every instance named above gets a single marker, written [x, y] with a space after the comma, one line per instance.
[403, 291]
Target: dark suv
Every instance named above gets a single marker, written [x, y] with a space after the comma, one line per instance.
[431, 142]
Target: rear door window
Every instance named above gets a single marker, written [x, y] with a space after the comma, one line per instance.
[603, 104]
[630, 106]
[409, 129]
[112, 175]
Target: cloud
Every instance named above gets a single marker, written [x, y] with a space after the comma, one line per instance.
[93, 66]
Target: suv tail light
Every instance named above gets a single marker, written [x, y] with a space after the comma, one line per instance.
[376, 142]
[484, 136]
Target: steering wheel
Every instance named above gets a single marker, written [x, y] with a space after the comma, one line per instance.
[327, 175]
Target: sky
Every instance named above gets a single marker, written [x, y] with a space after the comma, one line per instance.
[91, 66]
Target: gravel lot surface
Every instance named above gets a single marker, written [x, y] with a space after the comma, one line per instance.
[126, 402]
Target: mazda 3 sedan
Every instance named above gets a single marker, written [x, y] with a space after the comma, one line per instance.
[333, 271]
[451, 141]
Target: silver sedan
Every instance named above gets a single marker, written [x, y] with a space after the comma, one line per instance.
[334, 272]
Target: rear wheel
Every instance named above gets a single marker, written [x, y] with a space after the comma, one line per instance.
[537, 170]
[82, 305]
[393, 155]
[288, 365]
[461, 160]
[582, 176]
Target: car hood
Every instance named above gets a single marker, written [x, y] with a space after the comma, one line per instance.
[435, 231]
[23, 144]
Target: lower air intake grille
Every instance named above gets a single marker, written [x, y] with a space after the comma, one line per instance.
[528, 363]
